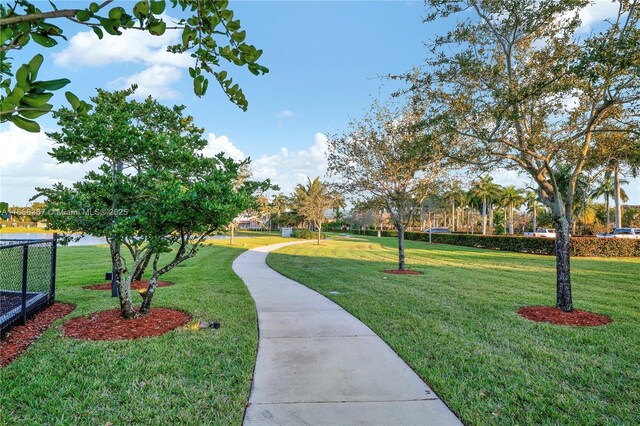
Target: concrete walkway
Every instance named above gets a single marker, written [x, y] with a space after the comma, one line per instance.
[318, 365]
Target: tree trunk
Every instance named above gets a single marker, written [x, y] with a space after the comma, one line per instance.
[319, 232]
[616, 188]
[232, 227]
[484, 216]
[400, 247]
[146, 300]
[535, 218]
[453, 217]
[490, 230]
[606, 197]
[142, 266]
[511, 219]
[563, 269]
[124, 287]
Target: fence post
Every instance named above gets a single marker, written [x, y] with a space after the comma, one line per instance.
[25, 262]
[54, 256]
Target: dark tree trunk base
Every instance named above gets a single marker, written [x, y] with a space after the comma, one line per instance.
[555, 316]
[109, 325]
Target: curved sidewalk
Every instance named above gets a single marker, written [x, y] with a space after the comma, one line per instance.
[319, 365]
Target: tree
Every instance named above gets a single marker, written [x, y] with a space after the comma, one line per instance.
[279, 205]
[607, 189]
[520, 89]
[511, 199]
[313, 200]
[455, 196]
[619, 152]
[154, 192]
[485, 190]
[389, 156]
[209, 33]
[533, 204]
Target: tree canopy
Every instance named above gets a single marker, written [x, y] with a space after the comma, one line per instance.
[154, 192]
[210, 33]
[389, 156]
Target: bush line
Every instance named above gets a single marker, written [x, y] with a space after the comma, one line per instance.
[580, 246]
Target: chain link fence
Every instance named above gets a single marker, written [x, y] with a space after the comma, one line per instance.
[27, 279]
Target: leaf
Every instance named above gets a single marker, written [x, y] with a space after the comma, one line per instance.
[36, 100]
[22, 77]
[24, 124]
[83, 15]
[52, 84]
[98, 32]
[43, 40]
[116, 13]
[73, 100]
[141, 10]
[34, 65]
[157, 28]
[158, 6]
[5, 35]
[32, 114]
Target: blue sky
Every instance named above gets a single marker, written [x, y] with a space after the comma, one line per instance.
[326, 59]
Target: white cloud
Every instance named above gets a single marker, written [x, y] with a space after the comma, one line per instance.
[85, 49]
[289, 168]
[596, 12]
[222, 144]
[25, 164]
[286, 168]
[155, 81]
[163, 68]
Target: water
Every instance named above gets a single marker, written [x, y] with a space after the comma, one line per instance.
[87, 240]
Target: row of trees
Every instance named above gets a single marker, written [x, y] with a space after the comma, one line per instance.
[512, 85]
[508, 210]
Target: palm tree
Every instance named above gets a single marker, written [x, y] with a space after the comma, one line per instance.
[280, 203]
[606, 189]
[511, 198]
[484, 189]
[454, 195]
[532, 202]
[312, 201]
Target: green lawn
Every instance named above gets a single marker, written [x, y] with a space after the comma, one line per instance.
[457, 326]
[181, 377]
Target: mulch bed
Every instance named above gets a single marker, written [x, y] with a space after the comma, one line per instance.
[553, 315]
[18, 339]
[399, 272]
[109, 325]
[135, 285]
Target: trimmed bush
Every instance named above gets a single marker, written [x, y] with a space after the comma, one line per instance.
[580, 246]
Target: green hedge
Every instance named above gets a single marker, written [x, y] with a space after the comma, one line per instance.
[580, 246]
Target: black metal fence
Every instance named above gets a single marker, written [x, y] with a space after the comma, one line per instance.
[27, 279]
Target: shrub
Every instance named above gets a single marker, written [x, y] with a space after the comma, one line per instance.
[580, 246]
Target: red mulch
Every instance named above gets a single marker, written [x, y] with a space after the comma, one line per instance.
[135, 285]
[399, 272]
[556, 316]
[18, 339]
[109, 325]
